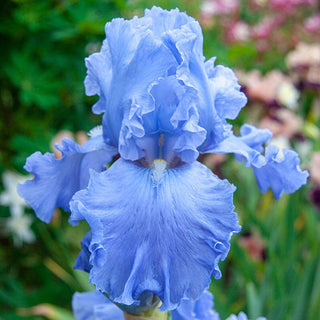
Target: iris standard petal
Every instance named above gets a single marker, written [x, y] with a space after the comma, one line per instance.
[57, 180]
[164, 20]
[136, 59]
[191, 71]
[201, 309]
[94, 306]
[123, 72]
[281, 173]
[229, 100]
[159, 230]
[174, 121]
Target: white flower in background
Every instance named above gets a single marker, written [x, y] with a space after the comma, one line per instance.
[241, 31]
[282, 142]
[18, 224]
[288, 95]
[304, 148]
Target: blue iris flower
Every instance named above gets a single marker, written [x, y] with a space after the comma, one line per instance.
[95, 306]
[160, 220]
[242, 316]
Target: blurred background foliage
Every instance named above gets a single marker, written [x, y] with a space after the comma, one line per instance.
[273, 268]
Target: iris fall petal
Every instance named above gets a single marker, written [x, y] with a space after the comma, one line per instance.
[94, 306]
[201, 309]
[247, 147]
[281, 173]
[57, 180]
[143, 219]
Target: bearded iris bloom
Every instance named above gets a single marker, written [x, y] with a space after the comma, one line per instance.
[160, 220]
[95, 306]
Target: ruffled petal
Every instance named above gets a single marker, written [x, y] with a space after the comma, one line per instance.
[201, 309]
[123, 72]
[191, 71]
[174, 120]
[164, 20]
[229, 100]
[247, 147]
[83, 259]
[57, 180]
[278, 170]
[142, 219]
[136, 59]
[242, 316]
[281, 173]
[94, 306]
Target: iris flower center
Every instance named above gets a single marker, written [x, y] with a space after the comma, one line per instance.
[158, 167]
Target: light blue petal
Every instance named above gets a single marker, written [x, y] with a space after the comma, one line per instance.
[242, 316]
[188, 43]
[83, 258]
[247, 147]
[57, 180]
[123, 72]
[164, 20]
[108, 312]
[143, 219]
[201, 309]
[94, 306]
[175, 119]
[281, 173]
[136, 59]
[147, 301]
[228, 98]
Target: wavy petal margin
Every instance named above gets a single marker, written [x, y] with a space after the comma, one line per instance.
[281, 173]
[57, 180]
[143, 219]
[229, 100]
[242, 316]
[136, 56]
[201, 309]
[247, 147]
[276, 169]
[83, 259]
[94, 306]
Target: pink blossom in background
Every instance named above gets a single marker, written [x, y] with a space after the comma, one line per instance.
[80, 136]
[214, 160]
[63, 134]
[238, 32]
[315, 167]
[289, 5]
[254, 246]
[304, 62]
[312, 24]
[266, 27]
[282, 122]
[304, 55]
[275, 86]
[258, 4]
[263, 88]
[215, 7]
